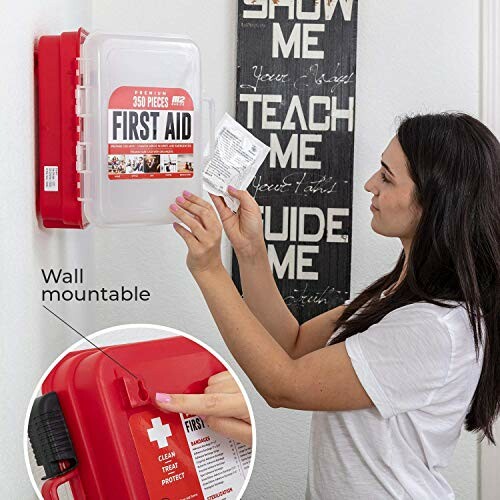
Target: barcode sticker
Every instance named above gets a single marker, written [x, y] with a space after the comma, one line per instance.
[51, 178]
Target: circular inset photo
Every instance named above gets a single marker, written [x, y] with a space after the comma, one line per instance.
[139, 412]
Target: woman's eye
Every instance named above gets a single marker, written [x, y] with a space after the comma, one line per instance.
[384, 178]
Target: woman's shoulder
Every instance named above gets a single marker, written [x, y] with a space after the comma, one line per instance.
[450, 316]
[424, 310]
[452, 321]
[446, 314]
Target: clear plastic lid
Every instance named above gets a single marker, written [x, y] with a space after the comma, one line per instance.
[140, 126]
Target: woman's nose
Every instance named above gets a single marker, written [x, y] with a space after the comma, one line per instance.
[369, 184]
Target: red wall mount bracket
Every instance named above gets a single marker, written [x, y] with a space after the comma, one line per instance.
[59, 128]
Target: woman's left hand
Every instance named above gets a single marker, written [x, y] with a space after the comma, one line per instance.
[203, 238]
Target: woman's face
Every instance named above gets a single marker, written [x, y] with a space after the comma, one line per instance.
[395, 214]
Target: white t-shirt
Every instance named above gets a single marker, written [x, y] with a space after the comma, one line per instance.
[418, 366]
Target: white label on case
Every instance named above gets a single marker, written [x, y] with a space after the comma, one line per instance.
[51, 178]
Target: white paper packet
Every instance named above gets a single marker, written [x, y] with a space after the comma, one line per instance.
[237, 157]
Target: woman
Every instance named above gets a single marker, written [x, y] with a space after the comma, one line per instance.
[393, 375]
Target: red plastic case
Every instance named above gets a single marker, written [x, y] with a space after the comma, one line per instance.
[110, 416]
[58, 130]
[92, 89]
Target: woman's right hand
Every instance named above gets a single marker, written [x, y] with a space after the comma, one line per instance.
[244, 228]
[222, 406]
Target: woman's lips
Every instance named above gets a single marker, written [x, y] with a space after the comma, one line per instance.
[372, 208]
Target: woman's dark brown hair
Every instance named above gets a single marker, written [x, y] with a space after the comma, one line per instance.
[454, 161]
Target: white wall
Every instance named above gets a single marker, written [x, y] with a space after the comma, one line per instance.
[29, 337]
[412, 56]
[490, 114]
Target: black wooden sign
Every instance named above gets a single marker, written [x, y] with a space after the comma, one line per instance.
[296, 68]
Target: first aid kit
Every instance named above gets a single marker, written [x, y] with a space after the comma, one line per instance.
[120, 125]
[97, 429]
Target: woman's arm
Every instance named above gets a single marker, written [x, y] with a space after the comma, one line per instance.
[259, 288]
[321, 380]
[265, 301]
